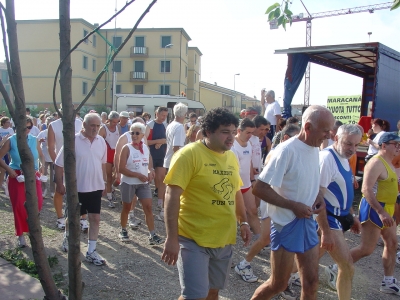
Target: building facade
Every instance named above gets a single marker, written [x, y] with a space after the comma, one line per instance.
[213, 95]
[154, 61]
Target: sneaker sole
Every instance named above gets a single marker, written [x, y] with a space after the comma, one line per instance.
[96, 264]
[241, 276]
[329, 283]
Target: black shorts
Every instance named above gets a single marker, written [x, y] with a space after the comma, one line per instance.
[90, 202]
[158, 163]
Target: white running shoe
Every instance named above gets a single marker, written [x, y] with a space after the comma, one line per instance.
[111, 203]
[246, 273]
[288, 294]
[295, 280]
[61, 223]
[134, 223]
[332, 276]
[95, 258]
[160, 216]
[84, 225]
[64, 245]
[392, 288]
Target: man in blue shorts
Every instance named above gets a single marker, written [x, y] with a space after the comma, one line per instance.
[289, 184]
[337, 186]
[377, 209]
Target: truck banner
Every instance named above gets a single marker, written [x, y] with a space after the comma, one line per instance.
[346, 109]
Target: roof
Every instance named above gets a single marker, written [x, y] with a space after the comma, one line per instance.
[356, 59]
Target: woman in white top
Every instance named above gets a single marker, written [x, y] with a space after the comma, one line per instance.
[379, 127]
[137, 171]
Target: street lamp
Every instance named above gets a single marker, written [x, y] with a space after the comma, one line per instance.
[234, 88]
[165, 63]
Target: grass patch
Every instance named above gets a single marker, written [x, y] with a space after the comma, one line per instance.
[17, 258]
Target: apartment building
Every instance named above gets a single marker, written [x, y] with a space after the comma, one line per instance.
[6, 82]
[154, 61]
[213, 95]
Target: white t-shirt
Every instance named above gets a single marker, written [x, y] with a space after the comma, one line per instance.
[43, 145]
[293, 172]
[175, 135]
[271, 110]
[34, 131]
[256, 152]
[57, 126]
[90, 158]
[371, 149]
[5, 132]
[243, 154]
[137, 162]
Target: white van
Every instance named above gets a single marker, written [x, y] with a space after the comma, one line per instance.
[139, 103]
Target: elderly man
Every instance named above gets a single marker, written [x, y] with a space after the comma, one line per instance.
[123, 121]
[377, 209]
[331, 140]
[91, 154]
[336, 184]
[202, 205]
[290, 185]
[272, 110]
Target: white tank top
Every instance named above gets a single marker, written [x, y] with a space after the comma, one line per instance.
[137, 162]
[111, 137]
[57, 126]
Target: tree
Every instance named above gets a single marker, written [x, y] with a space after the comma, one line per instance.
[17, 112]
[283, 14]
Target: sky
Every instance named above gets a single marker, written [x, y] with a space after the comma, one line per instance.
[234, 37]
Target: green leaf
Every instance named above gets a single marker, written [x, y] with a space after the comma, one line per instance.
[271, 16]
[272, 7]
[288, 12]
[396, 5]
[284, 24]
[277, 12]
[280, 20]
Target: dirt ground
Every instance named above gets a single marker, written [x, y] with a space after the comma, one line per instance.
[134, 269]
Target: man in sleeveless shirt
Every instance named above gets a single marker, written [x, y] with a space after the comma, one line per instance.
[336, 184]
[111, 132]
[157, 142]
[377, 209]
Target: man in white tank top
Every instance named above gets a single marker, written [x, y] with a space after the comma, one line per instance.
[111, 133]
[55, 140]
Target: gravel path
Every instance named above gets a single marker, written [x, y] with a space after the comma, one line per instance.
[134, 269]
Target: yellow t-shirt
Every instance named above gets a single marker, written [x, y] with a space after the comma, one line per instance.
[209, 181]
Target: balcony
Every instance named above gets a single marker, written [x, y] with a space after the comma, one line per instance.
[138, 76]
[139, 51]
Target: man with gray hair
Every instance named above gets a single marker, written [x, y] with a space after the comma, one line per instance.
[336, 184]
[272, 110]
[175, 134]
[91, 157]
[289, 183]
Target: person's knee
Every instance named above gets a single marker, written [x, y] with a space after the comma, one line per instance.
[391, 243]
[278, 285]
[147, 206]
[346, 267]
[310, 283]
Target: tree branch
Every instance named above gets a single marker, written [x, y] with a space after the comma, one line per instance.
[7, 99]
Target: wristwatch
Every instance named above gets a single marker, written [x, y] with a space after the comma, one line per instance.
[244, 223]
[354, 215]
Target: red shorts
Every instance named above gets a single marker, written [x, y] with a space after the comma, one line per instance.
[245, 190]
[110, 154]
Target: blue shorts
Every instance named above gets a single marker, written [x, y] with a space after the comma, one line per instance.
[334, 224]
[298, 236]
[367, 213]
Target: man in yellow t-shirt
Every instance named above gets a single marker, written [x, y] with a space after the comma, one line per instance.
[202, 204]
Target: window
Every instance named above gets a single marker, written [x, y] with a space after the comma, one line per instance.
[195, 77]
[139, 41]
[165, 40]
[84, 88]
[187, 47]
[85, 33]
[94, 65]
[186, 69]
[117, 66]
[138, 89]
[166, 90]
[139, 66]
[94, 40]
[165, 66]
[195, 59]
[117, 41]
[85, 62]
[118, 89]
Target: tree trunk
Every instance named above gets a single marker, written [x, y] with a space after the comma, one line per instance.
[27, 166]
[68, 118]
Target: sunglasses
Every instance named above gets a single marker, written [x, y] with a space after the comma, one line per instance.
[396, 145]
[29, 127]
[135, 132]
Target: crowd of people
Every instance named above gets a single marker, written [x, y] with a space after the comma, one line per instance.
[286, 185]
